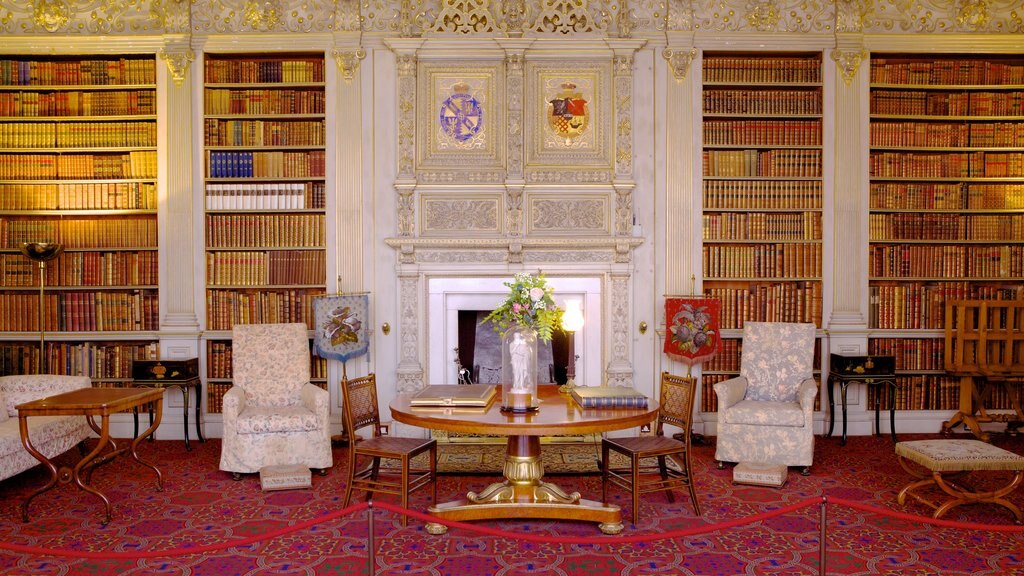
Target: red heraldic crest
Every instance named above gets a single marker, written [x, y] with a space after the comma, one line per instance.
[692, 334]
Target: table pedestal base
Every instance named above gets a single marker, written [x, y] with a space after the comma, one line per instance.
[523, 494]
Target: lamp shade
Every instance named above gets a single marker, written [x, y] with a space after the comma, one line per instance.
[41, 251]
[572, 318]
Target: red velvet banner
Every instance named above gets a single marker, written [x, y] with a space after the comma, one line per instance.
[692, 335]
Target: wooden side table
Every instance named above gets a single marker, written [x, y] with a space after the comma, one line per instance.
[871, 370]
[184, 386]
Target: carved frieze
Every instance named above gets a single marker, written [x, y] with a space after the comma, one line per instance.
[568, 215]
[450, 214]
[464, 17]
[762, 16]
[949, 16]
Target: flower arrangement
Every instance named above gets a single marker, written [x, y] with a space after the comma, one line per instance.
[529, 304]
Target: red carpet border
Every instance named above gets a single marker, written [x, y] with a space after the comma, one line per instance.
[202, 508]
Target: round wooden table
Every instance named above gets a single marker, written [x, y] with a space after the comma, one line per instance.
[523, 493]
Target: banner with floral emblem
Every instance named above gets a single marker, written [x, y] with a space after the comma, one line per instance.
[692, 335]
[342, 326]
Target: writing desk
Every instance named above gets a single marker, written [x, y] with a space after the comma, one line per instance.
[872, 371]
[524, 493]
[89, 402]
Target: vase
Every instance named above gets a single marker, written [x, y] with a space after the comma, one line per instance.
[519, 370]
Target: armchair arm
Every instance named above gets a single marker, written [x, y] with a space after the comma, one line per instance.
[806, 394]
[731, 391]
[233, 404]
[317, 400]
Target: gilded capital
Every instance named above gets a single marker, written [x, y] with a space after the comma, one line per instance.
[348, 61]
[679, 61]
[849, 62]
[178, 63]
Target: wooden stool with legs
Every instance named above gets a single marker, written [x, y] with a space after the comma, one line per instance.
[675, 409]
[360, 411]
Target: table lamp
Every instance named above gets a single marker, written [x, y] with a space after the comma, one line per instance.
[572, 320]
[42, 252]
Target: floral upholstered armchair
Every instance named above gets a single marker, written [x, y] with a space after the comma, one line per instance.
[766, 414]
[273, 415]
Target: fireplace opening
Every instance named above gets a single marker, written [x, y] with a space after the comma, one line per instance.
[479, 351]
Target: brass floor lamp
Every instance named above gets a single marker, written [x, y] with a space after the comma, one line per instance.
[42, 252]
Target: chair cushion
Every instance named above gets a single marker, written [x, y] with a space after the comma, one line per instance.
[777, 357]
[271, 362]
[28, 387]
[271, 419]
[765, 413]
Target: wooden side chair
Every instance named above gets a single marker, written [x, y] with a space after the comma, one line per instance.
[676, 409]
[360, 412]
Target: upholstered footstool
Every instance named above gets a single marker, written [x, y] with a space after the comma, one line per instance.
[947, 460]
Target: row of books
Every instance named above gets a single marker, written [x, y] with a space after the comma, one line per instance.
[920, 392]
[959, 72]
[219, 361]
[728, 357]
[945, 135]
[225, 308]
[79, 269]
[264, 101]
[946, 261]
[215, 392]
[910, 353]
[762, 226]
[762, 102]
[947, 164]
[766, 163]
[762, 194]
[77, 72]
[796, 260]
[273, 268]
[770, 70]
[242, 71]
[601, 397]
[78, 196]
[101, 311]
[276, 164]
[267, 196]
[93, 359]
[126, 232]
[768, 302]
[932, 103]
[921, 306]
[945, 226]
[26, 104]
[135, 164]
[265, 230]
[945, 196]
[762, 132]
[78, 134]
[219, 132]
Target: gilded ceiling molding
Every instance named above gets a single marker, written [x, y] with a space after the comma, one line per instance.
[763, 16]
[464, 17]
[348, 61]
[569, 17]
[178, 62]
[51, 15]
[514, 14]
[851, 14]
[262, 14]
[973, 14]
[625, 20]
[947, 16]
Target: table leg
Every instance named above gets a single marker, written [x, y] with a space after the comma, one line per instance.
[63, 475]
[184, 395]
[84, 468]
[831, 407]
[843, 386]
[199, 401]
[524, 494]
[892, 412]
[135, 443]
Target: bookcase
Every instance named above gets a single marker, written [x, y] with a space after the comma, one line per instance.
[946, 206]
[264, 134]
[78, 166]
[762, 186]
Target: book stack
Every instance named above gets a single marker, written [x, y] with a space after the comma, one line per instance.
[608, 397]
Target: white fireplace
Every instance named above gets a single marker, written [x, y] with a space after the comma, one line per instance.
[449, 295]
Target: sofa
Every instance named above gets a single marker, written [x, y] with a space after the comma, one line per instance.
[50, 435]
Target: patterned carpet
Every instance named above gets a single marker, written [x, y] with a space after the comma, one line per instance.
[201, 505]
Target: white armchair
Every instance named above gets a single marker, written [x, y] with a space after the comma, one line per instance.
[272, 414]
[766, 414]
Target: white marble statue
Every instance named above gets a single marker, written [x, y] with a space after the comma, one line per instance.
[518, 351]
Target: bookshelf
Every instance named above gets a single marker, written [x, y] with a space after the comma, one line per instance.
[762, 188]
[78, 166]
[264, 140]
[946, 206]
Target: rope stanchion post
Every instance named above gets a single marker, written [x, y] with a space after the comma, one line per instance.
[822, 542]
[371, 547]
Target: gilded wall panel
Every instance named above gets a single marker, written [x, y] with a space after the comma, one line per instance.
[763, 15]
[568, 116]
[952, 16]
[456, 214]
[460, 121]
[568, 214]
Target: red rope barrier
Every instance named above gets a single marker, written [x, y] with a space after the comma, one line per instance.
[607, 540]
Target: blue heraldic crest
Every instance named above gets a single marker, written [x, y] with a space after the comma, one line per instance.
[342, 326]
